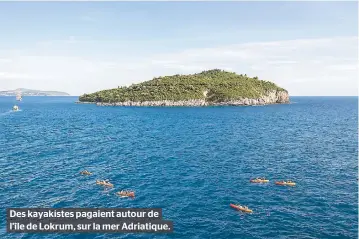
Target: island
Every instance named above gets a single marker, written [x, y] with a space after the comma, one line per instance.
[208, 88]
[28, 92]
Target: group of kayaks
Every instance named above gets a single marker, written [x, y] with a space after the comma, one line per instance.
[264, 180]
[108, 184]
[260, 180]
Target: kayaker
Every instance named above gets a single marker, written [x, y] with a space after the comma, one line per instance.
[85, 172]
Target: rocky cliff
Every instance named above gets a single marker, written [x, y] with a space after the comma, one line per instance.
[274, 97]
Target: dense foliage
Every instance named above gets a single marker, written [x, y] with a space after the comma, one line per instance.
[213, 85]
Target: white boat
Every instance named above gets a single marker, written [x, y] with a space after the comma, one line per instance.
[18, 97]
[15, 108]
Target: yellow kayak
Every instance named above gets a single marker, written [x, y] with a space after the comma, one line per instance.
[257, 180]
[85, 172]
[240, 208]
[283, 183]
[104, 183]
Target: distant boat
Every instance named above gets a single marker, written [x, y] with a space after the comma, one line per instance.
[18, 97]
[15, 108]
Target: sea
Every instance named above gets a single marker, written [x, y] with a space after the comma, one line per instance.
[190, 161]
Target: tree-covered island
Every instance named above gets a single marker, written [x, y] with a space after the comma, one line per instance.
[212, 87]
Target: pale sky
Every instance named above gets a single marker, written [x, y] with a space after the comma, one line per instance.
[309, 48]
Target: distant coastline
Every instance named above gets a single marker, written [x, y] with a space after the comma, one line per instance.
[29, 92]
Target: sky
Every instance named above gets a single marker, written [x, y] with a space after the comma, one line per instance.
[308, 48]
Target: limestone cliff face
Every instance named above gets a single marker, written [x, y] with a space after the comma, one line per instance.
[272, 97]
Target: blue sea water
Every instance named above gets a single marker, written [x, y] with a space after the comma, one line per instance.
[192, 162]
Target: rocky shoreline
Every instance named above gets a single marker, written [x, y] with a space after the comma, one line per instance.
[273, 97]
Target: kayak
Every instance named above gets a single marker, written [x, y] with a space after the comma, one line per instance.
[285, 183]
[124, 194]
[106, 184]
[85, 173]
[240, 208]
[259, 180]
